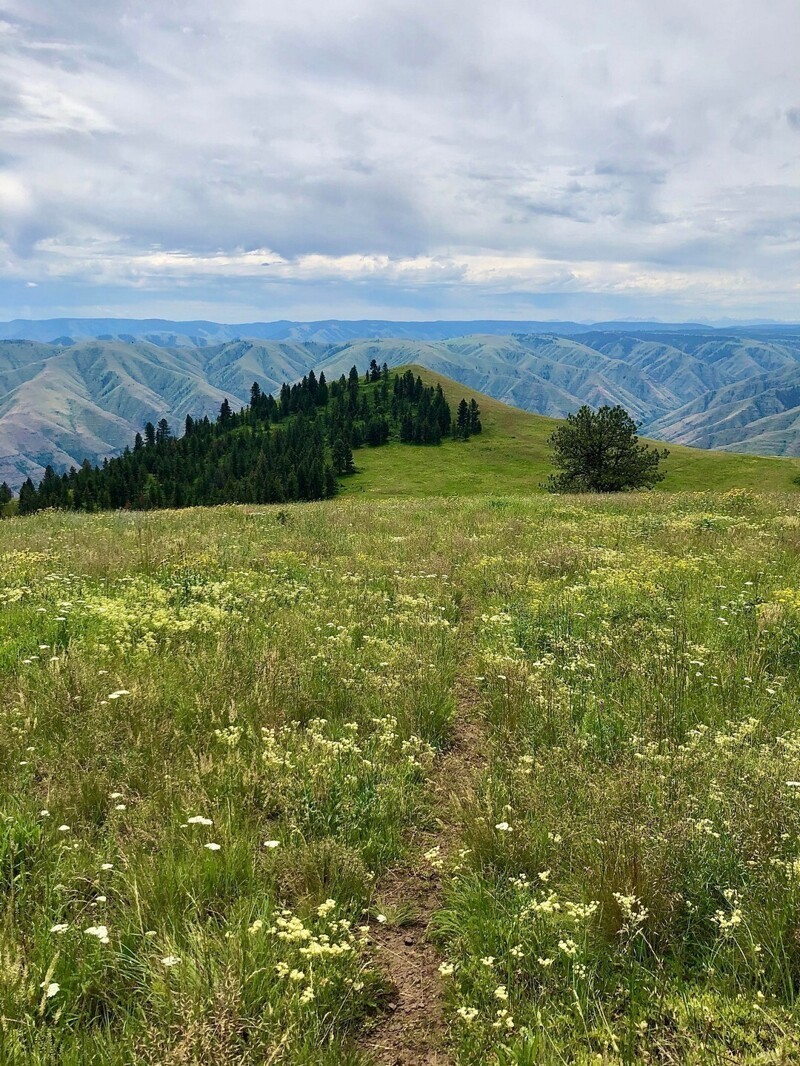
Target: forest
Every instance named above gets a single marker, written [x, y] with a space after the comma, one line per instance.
[292, 447]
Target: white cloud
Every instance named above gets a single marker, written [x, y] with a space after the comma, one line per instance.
[622, 148]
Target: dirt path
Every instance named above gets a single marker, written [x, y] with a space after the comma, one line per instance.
[413, 1031]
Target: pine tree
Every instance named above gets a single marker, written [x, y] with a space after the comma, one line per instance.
[599, 451]
[28, 500]
[461, 430]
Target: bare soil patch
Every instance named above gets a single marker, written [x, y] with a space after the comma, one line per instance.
[413, 1031]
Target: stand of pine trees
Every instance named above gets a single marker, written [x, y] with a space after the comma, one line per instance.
[276, 450]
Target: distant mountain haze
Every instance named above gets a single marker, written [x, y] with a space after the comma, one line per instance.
[86, 397]
[200, 333]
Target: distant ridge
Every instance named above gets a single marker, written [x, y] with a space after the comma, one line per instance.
[85, 397]
[200, 333]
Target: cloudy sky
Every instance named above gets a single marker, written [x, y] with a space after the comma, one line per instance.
[247, 159]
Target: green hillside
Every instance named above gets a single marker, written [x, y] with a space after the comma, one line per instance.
[511, 457]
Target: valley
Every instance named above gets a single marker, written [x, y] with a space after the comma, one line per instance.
[61, 403]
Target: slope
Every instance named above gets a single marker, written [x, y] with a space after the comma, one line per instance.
[511, 457]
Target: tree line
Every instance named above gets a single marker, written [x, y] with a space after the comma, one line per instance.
[279, 448]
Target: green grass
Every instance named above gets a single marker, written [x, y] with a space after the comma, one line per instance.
[512, 457]
[621, 872]
[220, 729]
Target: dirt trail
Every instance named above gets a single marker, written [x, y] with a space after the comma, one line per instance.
[413, 1032]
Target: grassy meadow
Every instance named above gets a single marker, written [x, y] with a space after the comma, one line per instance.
[235, 742]
[512, 457]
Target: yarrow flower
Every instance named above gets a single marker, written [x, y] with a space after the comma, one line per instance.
[199, 819]
[170, 960]
[212, 846]
[99, 931]
[271, 843]
[469, 1014]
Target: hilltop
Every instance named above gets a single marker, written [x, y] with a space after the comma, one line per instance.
[85, 398]
[512, 457]
[249, 457]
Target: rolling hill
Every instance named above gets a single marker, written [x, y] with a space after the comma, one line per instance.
[61, 403]
[511, 457]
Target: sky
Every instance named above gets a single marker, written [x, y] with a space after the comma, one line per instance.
[406, 159]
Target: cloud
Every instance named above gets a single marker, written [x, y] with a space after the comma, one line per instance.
[397, 152]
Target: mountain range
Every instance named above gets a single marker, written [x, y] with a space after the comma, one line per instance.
[85, 391]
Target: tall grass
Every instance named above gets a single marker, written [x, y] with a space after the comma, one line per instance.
[218, 730]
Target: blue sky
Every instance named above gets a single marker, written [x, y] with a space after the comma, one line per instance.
[435, 159]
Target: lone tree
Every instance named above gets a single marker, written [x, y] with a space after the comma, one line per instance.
[598, 451]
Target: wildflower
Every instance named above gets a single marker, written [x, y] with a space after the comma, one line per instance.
[297, 975]
[107, 866]
[469, 1014]
[446, 969]
[271, 843]
[517, 951]
[63, 829]
[115, 795]
[150, 933]
[501, 993]
[545, 962]
[504, 827]
[101, 899]
[307, 995]
[99, 931]
[170, 960]
[44, 813]
[120, 692]
[120, 807]
[488, 960]
[326, 907]
[51, 989]
[256, 926]
[544, 876]
[212, 846]
[198, 819]
[568, 946]
[59, 927]
[380, 918]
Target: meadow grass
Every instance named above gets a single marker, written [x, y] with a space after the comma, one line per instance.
[512, 457]
[221, 727]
